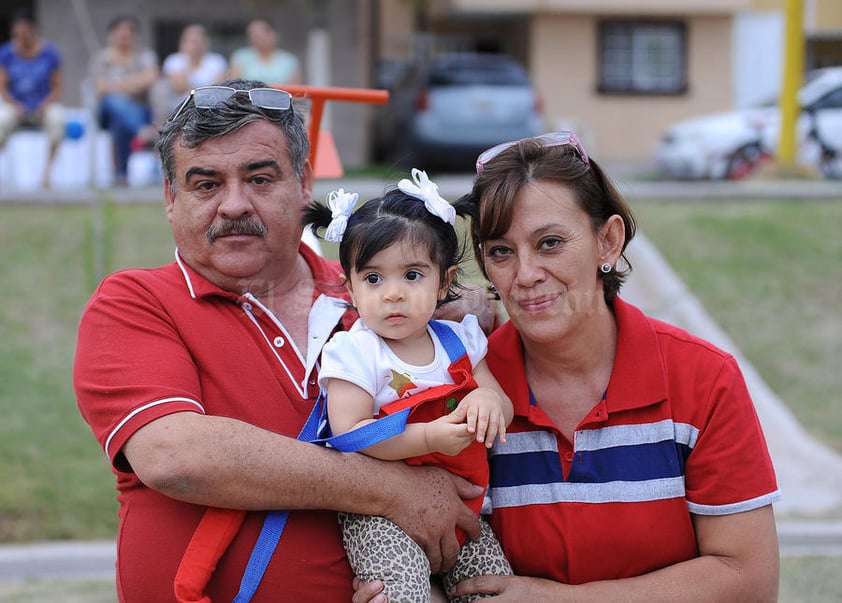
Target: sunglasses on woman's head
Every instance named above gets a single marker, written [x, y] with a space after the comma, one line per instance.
[208, 97]
[551, 139]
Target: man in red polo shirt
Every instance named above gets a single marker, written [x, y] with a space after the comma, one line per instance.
[196, 377]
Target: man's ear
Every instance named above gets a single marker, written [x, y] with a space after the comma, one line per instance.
[307, 183]
[169, 199]
[612, 237]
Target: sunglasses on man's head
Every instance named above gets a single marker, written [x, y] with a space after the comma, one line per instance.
[551, 139]
[208, 97]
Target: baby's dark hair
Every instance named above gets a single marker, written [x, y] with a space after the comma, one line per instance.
[384, 221]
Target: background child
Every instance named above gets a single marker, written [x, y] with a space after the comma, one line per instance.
[400, 255]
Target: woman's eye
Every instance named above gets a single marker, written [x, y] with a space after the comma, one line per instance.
[413, 275]
[372, 279]
[498, 251]
[549, 243]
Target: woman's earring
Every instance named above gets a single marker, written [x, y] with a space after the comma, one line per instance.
[605, 267]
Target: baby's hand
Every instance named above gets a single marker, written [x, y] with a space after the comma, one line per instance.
[483, 411]
[448, 434]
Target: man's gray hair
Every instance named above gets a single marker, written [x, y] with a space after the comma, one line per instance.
[194, 126]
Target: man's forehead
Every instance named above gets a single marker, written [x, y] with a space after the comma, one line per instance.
[240, 150]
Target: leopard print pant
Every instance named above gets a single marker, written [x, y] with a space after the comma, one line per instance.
[379, 549]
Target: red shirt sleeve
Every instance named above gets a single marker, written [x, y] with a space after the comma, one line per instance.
[131, 365]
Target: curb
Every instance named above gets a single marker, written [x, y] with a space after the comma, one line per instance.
[810, 538]
[59, 560]
[95, 560]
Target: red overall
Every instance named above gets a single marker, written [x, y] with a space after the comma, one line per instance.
[472, 462]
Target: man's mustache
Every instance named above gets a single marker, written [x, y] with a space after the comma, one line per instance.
[236, 227]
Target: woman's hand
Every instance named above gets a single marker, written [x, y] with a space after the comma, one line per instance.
[513, 589]
[368, 592]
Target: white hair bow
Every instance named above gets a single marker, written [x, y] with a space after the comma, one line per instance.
[428, 191]
[341, 204]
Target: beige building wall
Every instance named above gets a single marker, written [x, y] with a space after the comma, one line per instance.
[820, 16]
[625, 7]
[563, 63]
[826, 15]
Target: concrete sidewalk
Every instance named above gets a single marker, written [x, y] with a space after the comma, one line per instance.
[95, 560]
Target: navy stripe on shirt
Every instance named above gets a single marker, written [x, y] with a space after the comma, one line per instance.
[621, 463]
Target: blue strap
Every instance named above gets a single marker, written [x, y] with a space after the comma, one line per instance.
[264, 548]
[452, 344]
[369, 434]
[357, 439]
[273, 526]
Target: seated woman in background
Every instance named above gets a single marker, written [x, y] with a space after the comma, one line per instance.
[122, 74]
[31, 85]
[262, 60]
[194, 65]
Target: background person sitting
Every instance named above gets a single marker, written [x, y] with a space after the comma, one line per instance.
[192, 66]
[262, 60]
[122, 75]
[30, 85]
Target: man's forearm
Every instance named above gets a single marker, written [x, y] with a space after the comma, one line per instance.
[217, 461]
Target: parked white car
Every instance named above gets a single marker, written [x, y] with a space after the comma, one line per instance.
[733, 144]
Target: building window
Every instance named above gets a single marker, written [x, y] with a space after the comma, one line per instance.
[642, 57]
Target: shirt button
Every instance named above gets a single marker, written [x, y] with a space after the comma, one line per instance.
[568, 456]
[279, 342]
[247, 307]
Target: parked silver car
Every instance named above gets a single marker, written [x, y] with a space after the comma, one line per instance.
[734, 144]
[442, 114]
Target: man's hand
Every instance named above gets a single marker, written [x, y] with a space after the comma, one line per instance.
[426, 502]
[476, 300]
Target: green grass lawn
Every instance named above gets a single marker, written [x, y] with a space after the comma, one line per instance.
[769, 271]
[55, 481]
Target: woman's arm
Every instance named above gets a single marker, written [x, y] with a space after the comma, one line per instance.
[738, 561]
[55, 89]
[138, 82]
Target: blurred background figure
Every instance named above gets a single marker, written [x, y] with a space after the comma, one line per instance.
[30, 85]
[123, 74]
[262, 60]
[192, 66]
